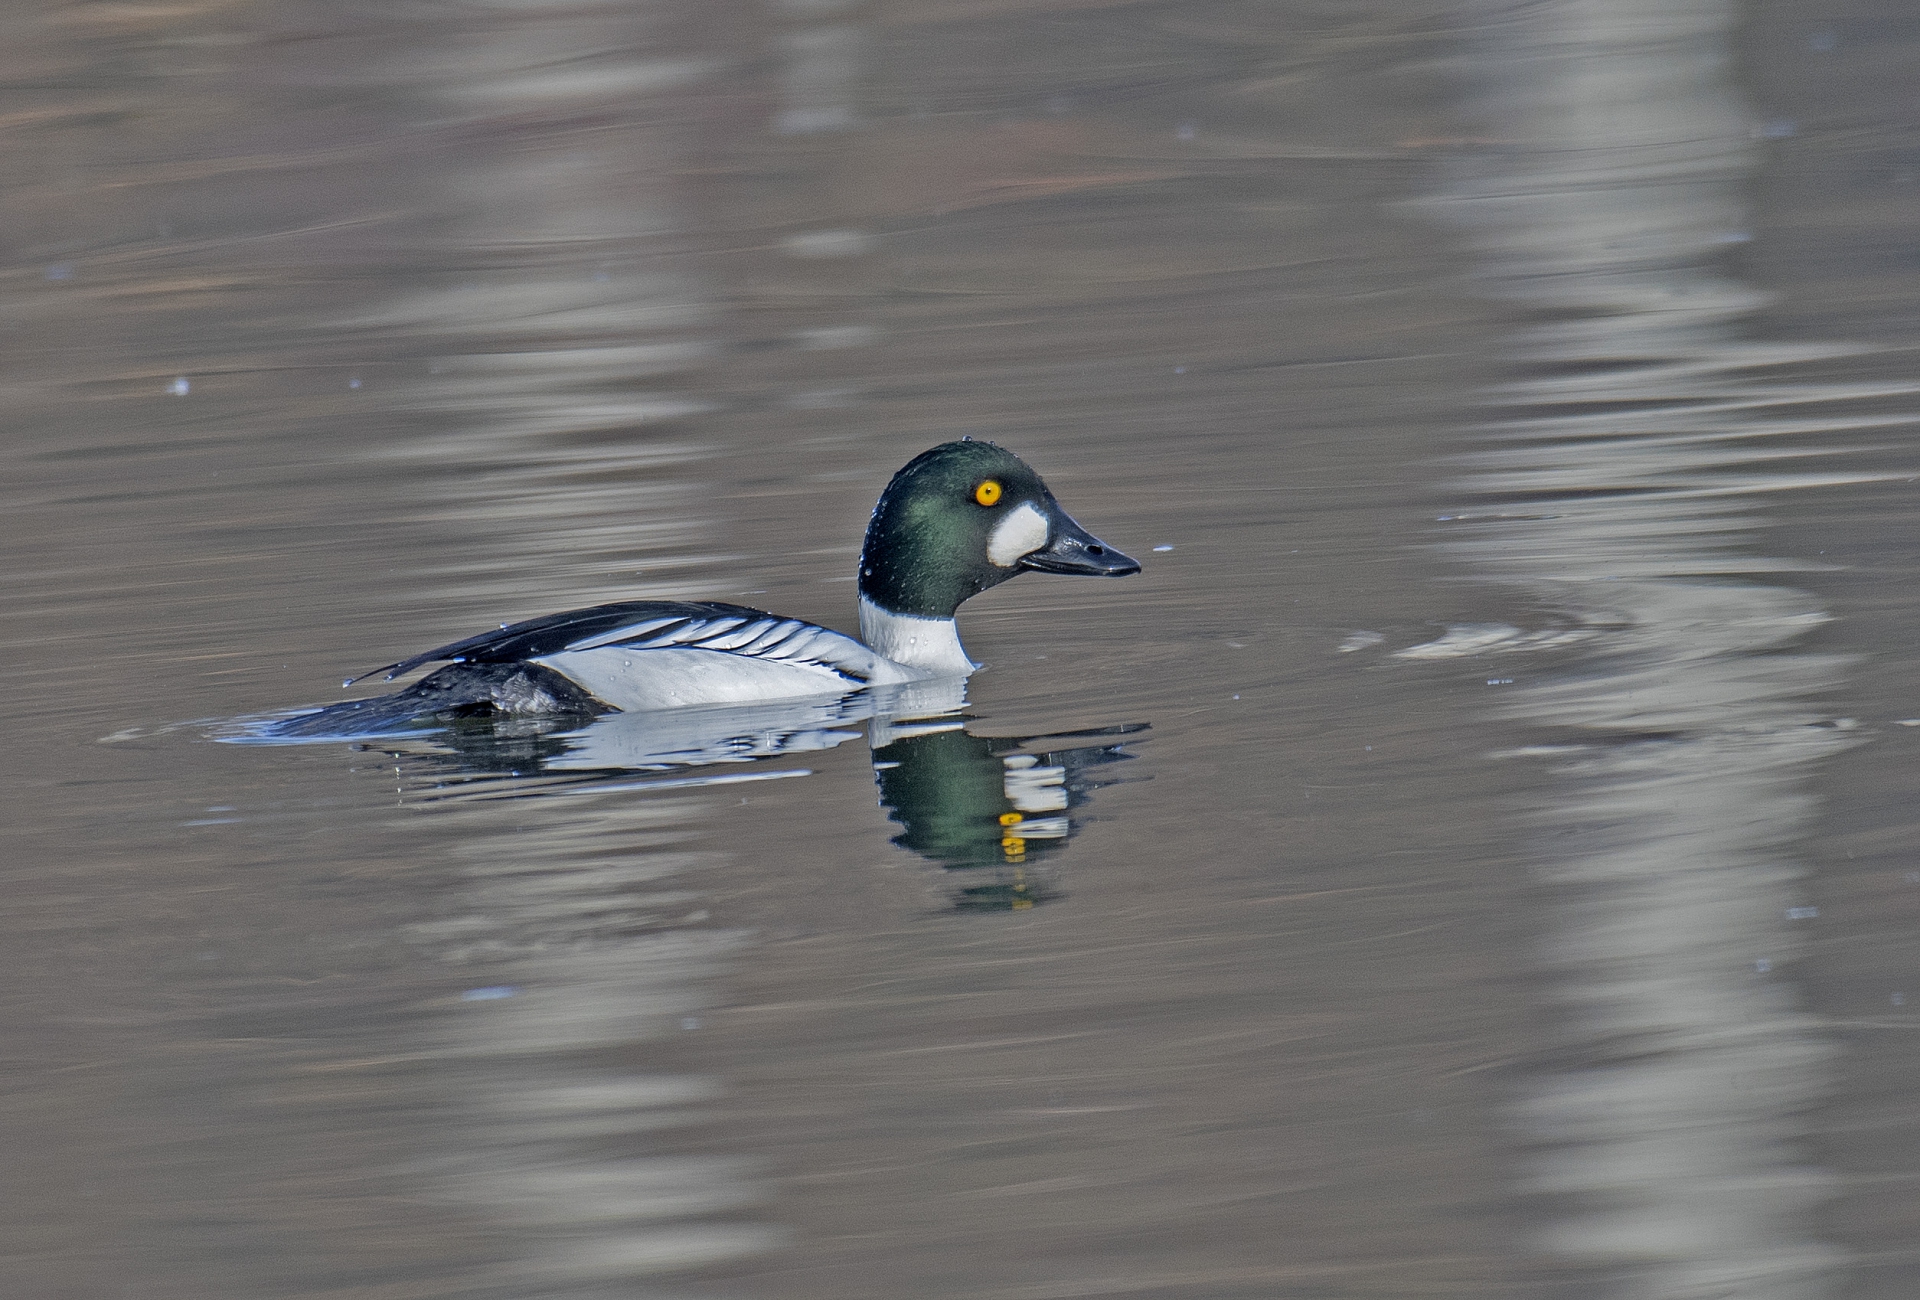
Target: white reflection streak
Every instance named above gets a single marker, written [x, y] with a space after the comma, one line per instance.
[1668, 1143]
[573, 337]
[559, 331]
[576, 911]
[822, 63]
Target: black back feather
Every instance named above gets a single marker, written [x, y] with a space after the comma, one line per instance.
[544, 636]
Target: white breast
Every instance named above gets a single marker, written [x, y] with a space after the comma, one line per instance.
[931, 645]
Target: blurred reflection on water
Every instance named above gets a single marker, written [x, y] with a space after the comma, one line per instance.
[555, 352]
[566, 905]
[1665, 1129]
[578, 945]
[996, 811]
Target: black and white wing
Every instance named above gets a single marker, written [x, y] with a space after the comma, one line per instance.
[658, 625]
[518, 642]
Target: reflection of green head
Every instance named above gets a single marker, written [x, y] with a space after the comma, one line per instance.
[971, 802]
[949, 791]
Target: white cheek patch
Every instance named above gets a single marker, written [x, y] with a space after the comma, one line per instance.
[1022, 532]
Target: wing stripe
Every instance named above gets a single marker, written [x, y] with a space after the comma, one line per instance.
[767, 644]
[626, 633]
[739, 638]
[556, 632]
[688, 632]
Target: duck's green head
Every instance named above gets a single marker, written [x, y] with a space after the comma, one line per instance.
[965, 516]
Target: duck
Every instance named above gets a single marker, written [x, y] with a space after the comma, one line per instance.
[956, 520]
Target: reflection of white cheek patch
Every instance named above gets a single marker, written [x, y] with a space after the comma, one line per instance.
[1022, 532]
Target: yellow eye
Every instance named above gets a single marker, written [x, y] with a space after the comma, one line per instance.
[987, 493]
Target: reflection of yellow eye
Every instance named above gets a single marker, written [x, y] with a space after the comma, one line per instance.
[987, 493]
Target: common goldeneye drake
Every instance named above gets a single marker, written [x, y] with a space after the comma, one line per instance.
[956, 520]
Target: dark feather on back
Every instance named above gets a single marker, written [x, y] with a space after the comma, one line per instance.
[554, 633]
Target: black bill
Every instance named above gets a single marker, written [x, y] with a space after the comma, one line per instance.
[1075, 550]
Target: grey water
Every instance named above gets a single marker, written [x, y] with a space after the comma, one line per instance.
[1474, 858]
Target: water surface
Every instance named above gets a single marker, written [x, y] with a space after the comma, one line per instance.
[1470, 880]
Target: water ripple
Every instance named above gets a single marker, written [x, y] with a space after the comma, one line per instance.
[1624, 493]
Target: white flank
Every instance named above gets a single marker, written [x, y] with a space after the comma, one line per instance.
[1022, 532]
[675, 677]
[929, 644]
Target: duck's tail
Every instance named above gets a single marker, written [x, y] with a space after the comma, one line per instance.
[456, 691]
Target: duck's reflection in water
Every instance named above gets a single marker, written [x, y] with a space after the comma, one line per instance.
[994, 812]
[576, 919]
[615, 744]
